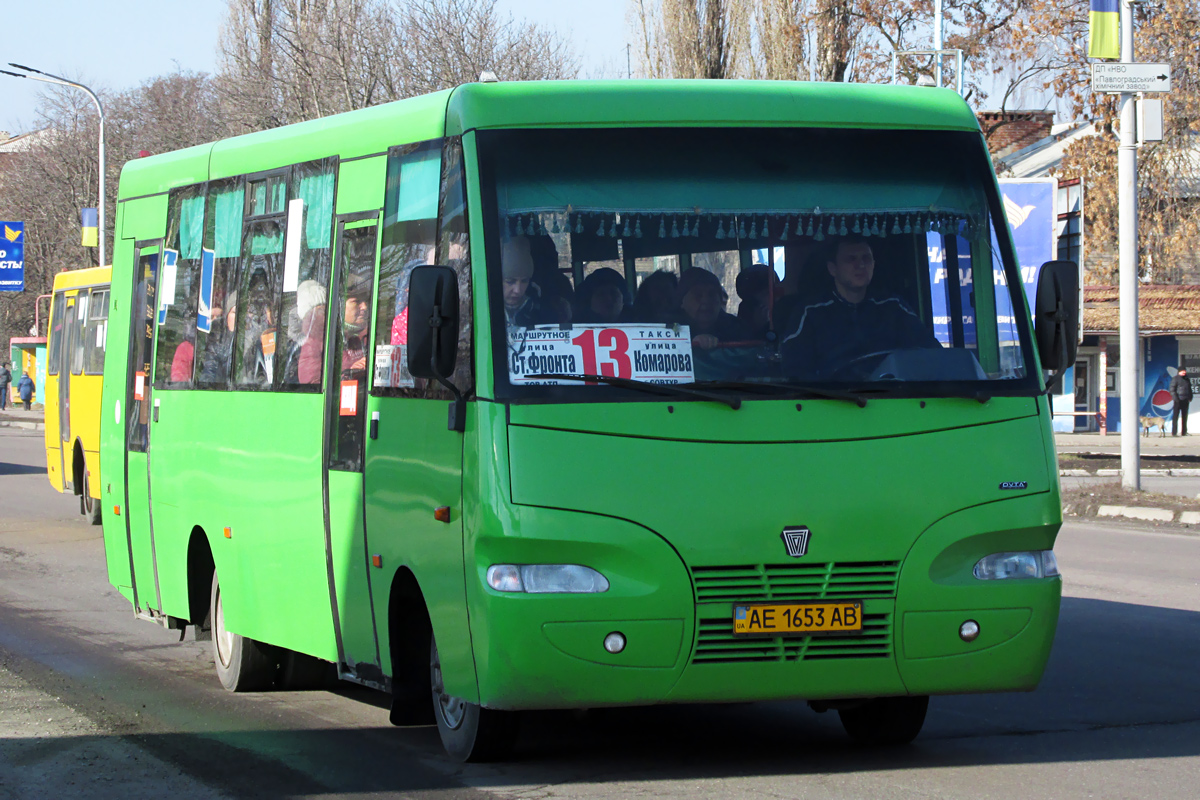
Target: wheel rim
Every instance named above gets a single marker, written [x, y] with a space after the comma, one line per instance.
[221, 637]
[450, 709]
[88, 502]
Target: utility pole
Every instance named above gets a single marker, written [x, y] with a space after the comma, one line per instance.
[1127, 235]
[938, 44]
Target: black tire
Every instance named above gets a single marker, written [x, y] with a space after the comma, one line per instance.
[886, 720]
[299, 672]
[243, 665]
[470, 732]
[91, 506]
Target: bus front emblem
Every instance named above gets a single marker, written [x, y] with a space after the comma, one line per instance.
[795, 539]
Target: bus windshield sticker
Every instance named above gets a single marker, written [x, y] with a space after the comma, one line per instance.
[651, 353]
[291, 248]
[204, 310]
[391, 367]
[349, 399]
[166, 292]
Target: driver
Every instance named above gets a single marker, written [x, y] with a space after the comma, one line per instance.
[851, 321]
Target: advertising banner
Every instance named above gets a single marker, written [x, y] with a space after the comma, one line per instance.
[1029, 204]
[12, 257]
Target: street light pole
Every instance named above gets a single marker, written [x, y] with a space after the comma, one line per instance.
[46, 77]
[1127, 213]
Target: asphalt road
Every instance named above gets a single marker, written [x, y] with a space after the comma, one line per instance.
[94, 703]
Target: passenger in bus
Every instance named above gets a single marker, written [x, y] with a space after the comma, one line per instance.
[602, 298]
[656, 299]
[832, 332]
[185, 353]
[756, 288]
[702, 301]
[258, 334]
[310, 335]
[218, 350]
[522, 307]
[355, 322]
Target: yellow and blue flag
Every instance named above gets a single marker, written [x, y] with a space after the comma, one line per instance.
[1104, 29]
[91, 227]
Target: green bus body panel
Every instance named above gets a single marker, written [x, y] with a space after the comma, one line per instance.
[250, 462]
[543, 104]
[360, 185]
[349, 135]
[349, 558]
[161, 173]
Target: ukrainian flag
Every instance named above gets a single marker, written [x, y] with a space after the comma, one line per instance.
[91, 227]
[1104, 29]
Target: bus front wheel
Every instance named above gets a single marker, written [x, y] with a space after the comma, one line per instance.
[885, 720]
[469, 732]
[243, 665]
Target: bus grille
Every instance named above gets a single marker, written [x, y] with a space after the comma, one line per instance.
[856, 580]
[716, 644]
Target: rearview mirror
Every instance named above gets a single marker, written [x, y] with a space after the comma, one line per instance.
[432, 322]
[1056, 314]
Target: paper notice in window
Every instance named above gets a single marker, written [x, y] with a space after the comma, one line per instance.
[291, 245]
[139, 386]
[655, 354]
[348, 406]
[391, 367]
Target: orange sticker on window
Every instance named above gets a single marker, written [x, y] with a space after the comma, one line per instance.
[139, 386]
[349, 403]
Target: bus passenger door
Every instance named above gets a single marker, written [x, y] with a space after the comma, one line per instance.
[347, 332]
[139, 524]
[66, 344]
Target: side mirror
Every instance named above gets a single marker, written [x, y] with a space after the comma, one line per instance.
[432, 322]
[1056, 314]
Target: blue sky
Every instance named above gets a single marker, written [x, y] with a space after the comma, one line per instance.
[118, 45]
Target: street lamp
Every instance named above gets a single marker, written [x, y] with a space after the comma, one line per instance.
[46, 77]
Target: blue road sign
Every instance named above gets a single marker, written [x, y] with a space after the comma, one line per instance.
[12, 256]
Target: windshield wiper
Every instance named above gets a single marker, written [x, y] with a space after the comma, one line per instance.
[664, 389]
[828, 394]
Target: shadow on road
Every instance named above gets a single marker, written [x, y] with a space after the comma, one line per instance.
[21, 469]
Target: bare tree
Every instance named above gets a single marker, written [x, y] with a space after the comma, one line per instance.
[286, 62]
[692, 38]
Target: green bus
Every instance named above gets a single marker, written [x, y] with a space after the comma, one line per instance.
[454, 393]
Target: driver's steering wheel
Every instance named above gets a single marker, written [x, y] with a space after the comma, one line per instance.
[861, 366]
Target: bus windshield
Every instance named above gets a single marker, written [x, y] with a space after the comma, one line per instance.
[762, 260]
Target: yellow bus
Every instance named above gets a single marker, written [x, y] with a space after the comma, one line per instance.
[74, 374]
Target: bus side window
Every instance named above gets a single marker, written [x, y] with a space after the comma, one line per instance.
[409, 240]
[179, 278]
[54, 346]
[454, 250]
[307, 258]
[259, 297]
[96, 332]
[222, 245]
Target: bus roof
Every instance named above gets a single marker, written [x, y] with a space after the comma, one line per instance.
[75, 278]
[526, 104]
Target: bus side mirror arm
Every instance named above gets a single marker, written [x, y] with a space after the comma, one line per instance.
[433, 333]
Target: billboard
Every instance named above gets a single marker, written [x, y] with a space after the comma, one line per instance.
[12, 256]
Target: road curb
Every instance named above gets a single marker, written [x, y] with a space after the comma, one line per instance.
[1145, 514]
[29, 426]
[1116, 473]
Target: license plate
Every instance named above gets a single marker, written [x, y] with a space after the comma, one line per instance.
[797, 619]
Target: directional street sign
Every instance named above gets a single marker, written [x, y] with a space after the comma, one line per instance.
[1115, 78]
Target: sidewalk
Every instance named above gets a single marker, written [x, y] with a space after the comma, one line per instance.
[20, 418]
[1153, 445]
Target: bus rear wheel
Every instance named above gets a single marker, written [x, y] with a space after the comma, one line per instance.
[469, 732]
[885, 720]
[243, 665]
[91, 506]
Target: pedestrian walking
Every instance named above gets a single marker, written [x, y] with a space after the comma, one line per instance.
[25, 390]
[5, 380]
[1181, 393]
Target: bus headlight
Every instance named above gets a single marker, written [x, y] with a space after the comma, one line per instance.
[545, 578]
[1024, 564]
